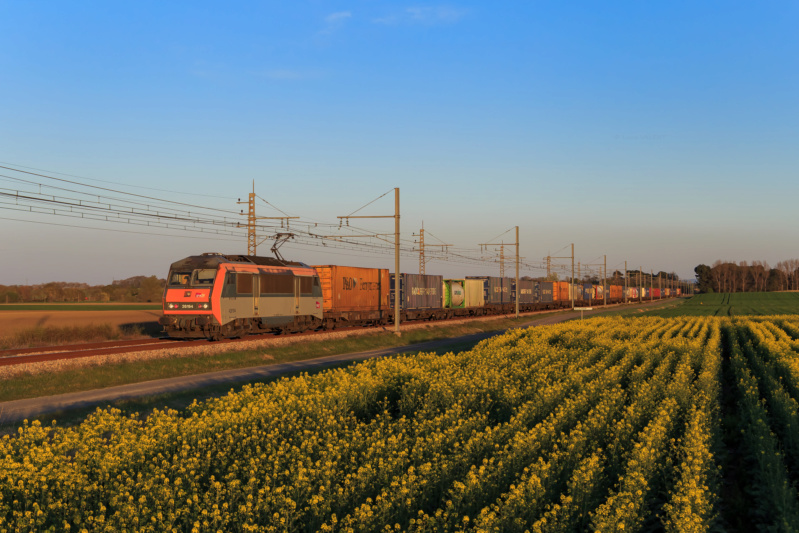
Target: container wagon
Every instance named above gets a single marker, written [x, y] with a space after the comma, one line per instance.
[420, 296]
[354, 296]
[463, 296]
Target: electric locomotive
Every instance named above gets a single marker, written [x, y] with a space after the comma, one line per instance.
[215, 295]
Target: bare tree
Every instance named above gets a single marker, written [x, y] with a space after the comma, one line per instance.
[766, 272]
[793, 268]
[716, 271]
[759, 270]
[783, 269]
[743, 274]
[732, 275]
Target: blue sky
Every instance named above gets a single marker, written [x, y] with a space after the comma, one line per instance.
[661, 133]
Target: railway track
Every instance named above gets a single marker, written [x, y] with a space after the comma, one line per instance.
[74, 351]
[23, 356]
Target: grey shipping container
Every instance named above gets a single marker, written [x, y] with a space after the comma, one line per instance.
[497, 290]
[419, 291]
[507, 290]
[526, 291]
[546, 291]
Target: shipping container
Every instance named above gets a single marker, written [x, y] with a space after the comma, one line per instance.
[419, 291]
[475, 296]
[632, 293]
[526, 291]
[508, 286]
[588, 292]
[496, 291]
[462, 293]
[598, 292]
[454, 293]
[561, 289]
[353, 289]
[616, 292]
[546, 292]
[577, 290]
[656, 293]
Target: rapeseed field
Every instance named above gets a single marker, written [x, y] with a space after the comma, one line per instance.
[610, 424]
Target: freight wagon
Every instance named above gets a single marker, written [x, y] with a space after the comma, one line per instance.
[464, 297]
[496, 291]
[354, 295]
[616, 292]
[526, 292]
[420, 296]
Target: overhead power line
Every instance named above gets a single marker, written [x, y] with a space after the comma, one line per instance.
[116, 182]
[72, 199]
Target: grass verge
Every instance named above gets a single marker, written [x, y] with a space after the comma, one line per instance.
[81, 307]
[57, 335]
[646, 308]
[109, 375]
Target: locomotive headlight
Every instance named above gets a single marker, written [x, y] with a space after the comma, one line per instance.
[171, 306]
[205, 306]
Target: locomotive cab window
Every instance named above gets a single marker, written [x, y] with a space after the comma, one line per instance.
[179, 279]
[203, 277]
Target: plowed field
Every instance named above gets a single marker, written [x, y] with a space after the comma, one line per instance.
[12, 321]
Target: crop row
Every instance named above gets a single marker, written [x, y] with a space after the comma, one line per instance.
[604, 424]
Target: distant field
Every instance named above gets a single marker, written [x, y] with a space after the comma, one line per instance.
[731, 304]
[15, 319]
[93, 306]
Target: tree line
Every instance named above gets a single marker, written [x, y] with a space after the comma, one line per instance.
[757, 276]
[135, 289]
[666, 279]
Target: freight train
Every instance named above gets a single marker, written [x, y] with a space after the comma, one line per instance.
[218, 296]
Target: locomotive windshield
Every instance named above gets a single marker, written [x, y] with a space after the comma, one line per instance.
[179, 279]
[195, 278]
[203, 277]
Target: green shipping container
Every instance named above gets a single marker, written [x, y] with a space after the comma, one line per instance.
[454, 294]
[463, 293]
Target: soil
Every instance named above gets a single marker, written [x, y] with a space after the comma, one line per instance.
[11, 321]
